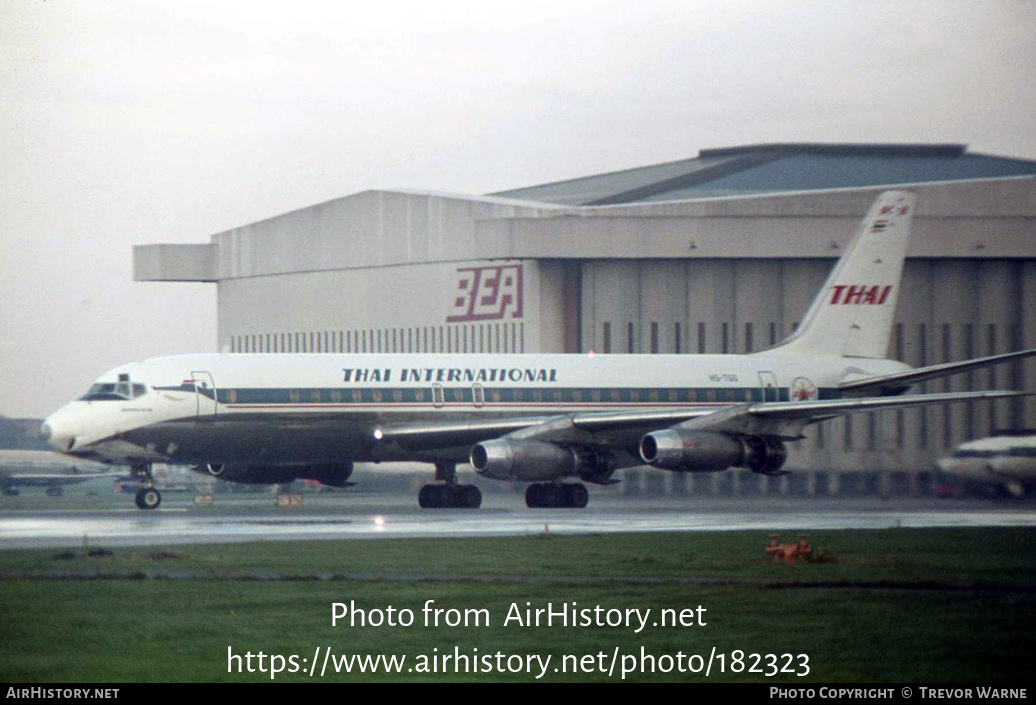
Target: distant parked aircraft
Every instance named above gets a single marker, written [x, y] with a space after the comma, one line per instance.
[1004, 463]
[43, 469]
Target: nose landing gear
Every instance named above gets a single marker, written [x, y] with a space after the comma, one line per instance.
[147, 497]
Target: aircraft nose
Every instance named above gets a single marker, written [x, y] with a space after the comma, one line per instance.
[61, 428]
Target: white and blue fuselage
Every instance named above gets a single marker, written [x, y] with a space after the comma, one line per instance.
[290, 409]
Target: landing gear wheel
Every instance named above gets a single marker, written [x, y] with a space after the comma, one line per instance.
[149, 498]
[471, 496]
[430, 497]
[449, 497]
[546, 494]
[576, 496]
[446, 493]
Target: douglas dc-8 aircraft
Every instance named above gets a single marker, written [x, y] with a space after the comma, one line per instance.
[541, 419]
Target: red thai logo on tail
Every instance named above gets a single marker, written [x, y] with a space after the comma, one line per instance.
[859, 294]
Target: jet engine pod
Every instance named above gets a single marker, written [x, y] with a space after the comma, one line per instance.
[691, 451]
[707, 451]
[765, 455]
[526, 461]
[596, 465]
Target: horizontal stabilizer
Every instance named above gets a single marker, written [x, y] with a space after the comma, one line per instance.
[895, 383]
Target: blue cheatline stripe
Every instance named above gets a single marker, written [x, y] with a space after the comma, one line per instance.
[1020, 452]
[640, 396]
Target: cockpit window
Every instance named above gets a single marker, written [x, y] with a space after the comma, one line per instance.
[103, 392]
[122, 390]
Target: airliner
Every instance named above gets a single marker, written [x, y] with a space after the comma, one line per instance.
[29, 468]
[553, 421]
[1004, 462]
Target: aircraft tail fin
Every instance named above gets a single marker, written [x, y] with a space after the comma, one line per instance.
[852, 314]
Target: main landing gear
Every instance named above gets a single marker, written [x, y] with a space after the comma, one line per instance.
[551, 494]
[449, 495]
[147, 497]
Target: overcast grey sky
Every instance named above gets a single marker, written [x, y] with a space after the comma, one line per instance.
[127, 123]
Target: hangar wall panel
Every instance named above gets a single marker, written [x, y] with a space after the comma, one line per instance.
[175, 263]
[985, 219]
[949, 309]
[369, 229]
[475, 306]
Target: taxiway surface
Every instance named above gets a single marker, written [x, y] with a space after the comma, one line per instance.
[362, 516]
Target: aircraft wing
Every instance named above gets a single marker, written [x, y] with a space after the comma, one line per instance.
[47, 479]
[564, 427]
[899, 381]
[622, 428]
[787, 419]
[429, 434]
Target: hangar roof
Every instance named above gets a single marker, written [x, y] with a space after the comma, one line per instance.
[774, 168]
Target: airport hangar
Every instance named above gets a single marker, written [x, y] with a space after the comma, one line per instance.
[722, 253]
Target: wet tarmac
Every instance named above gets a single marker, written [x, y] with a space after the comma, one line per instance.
[366, 516]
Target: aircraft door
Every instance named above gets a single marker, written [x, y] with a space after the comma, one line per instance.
[205, 393]
[768, 382]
